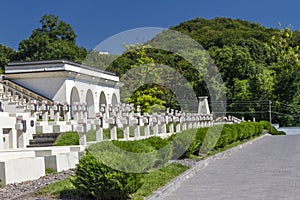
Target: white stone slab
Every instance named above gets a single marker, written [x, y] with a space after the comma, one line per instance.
[61, 162]
[23, 169]
[8, 155]
[49, 151]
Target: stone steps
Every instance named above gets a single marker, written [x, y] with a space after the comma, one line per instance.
[43, 140]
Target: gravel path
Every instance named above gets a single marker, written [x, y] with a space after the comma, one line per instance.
[17, 190]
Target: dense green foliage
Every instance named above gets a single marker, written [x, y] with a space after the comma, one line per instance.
[257, 64]
[65, 189]
[54, 40]
[97, 177]
[67, 139]
[98, 181]
[6, 54]
[271, 129]
[217, 137]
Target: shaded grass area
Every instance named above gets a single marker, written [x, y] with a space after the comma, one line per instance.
[229, 146]
[60, 189]
[152, 181]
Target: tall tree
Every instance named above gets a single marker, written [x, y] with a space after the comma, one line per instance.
[6, 55]
[54, 40]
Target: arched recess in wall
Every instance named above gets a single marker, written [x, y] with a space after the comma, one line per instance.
[90, 104]
[102, 100]
[114, 100]
[74, 98]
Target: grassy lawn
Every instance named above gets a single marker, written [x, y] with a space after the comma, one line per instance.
[152, 181]
[60, 189]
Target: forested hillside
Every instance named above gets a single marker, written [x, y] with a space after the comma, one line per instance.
[257, 64]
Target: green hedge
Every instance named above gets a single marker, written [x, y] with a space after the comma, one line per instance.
[95, 180]
[271, 129]
[202, 140]
[67, 139]
[103, 173]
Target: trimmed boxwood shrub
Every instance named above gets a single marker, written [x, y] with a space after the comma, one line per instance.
[128, 156]
[181, 142]
[163, 147]
[103, 173]
[94, 180]
[271, 129]
[67, 139]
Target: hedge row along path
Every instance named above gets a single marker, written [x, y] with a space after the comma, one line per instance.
[267, 169]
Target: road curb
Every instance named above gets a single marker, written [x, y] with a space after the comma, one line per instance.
[175, 183]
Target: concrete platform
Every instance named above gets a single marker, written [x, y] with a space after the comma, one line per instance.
[22, 169]
[62, 161]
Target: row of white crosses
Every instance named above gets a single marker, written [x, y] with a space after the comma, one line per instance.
[123, 116]
[79, 110]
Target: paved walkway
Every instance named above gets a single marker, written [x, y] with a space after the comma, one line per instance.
[268, 169]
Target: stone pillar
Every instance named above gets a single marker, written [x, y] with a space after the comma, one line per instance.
[146, 121]
[113, 127]
[103, 113]
[137, 124]
[184, 121]
[81, 129]
[66, 110]
[76, 111]
[44, 109]
[84, 111]
[110, 111]
[171, 124]
[126, 123]
[202, 121]
[155, 122]
[178, 124]
[203, 107]
[33, 107]
[99, 127]
[56, 110]
[163, 123]
[189, 121]
[20, 129]
[196, 120]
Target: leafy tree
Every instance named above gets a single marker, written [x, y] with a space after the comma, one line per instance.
[54, 40]
[6, 55]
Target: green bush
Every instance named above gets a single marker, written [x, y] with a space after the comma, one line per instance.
[181, 143]
[271, 129]
[67, 139]
[94, 180]
[128, 156]
[194, 148]
[163, 147]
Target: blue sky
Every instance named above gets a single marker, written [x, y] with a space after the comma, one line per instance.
[97, 20]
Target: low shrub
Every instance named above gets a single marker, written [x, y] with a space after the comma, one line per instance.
[67, 139]
[271, 129]
[181, 143]
[128, 156]
[163, 147]
[195, 146]
[94, 180]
